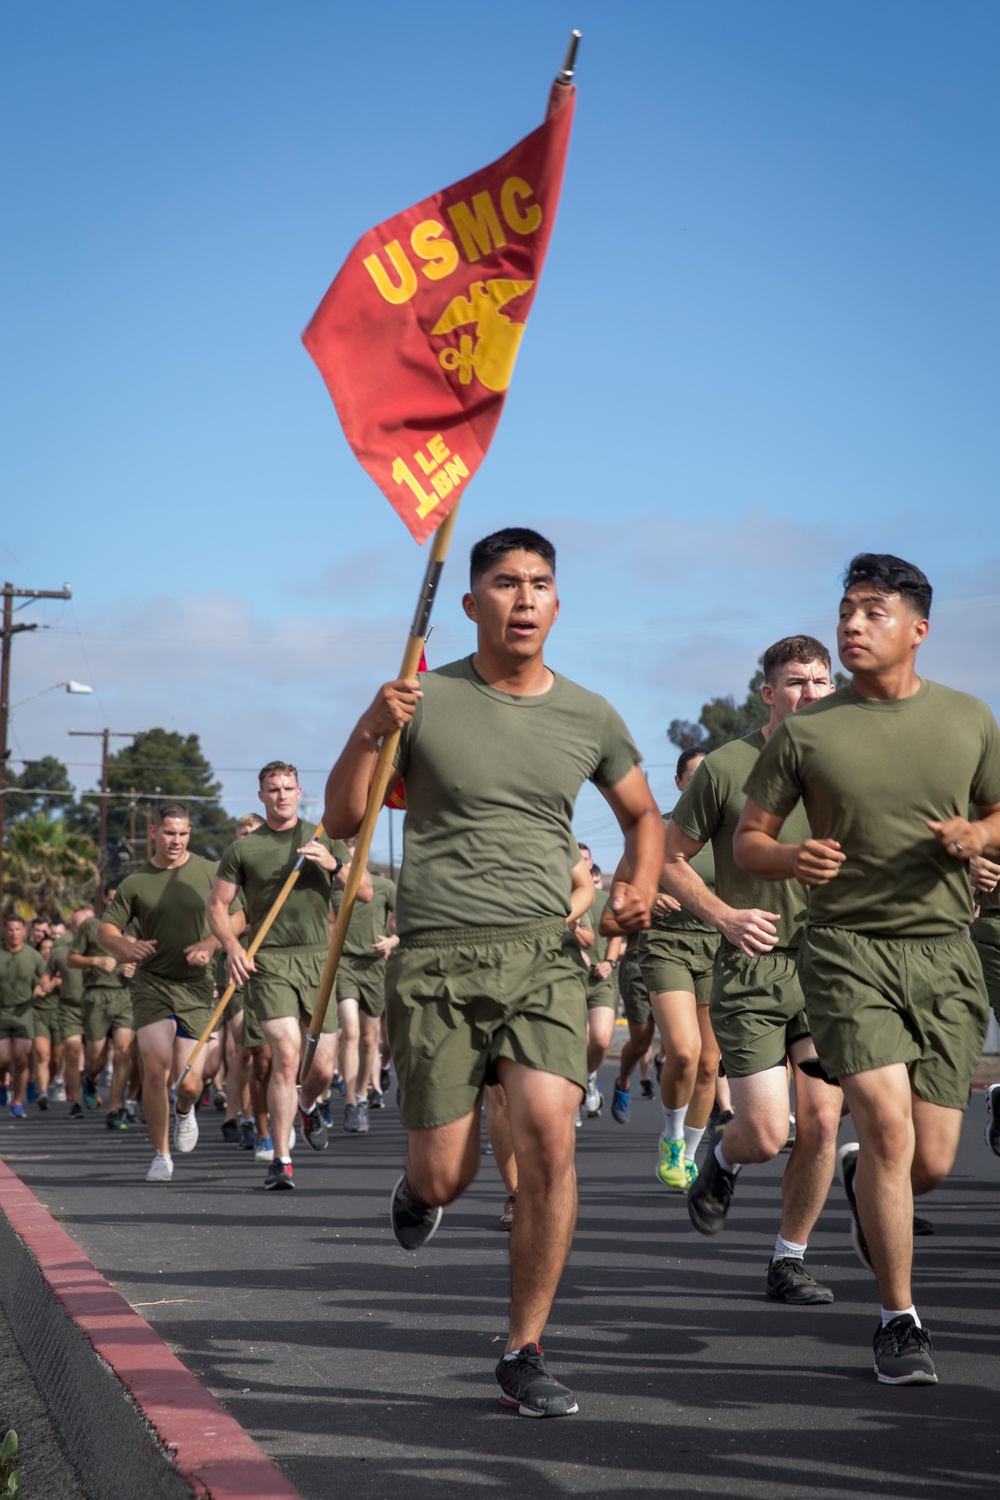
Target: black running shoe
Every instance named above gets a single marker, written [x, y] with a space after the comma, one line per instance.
[230, 1130]
[384, 1078]
[903, 1353]
[43, 1101]
[922, 1226]
[76, 1111]
[789, 1281]
[279, 1175]
[413, 1221]
[116, 1120]
[710, 1194]
[646, 1088]
[528, 1388]
[847, 1165]
[314, 1128]
[991, 1134]
[91, 1097]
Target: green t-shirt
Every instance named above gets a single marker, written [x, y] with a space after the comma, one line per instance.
[170, 907]
[261, 862]
[369, 919]
[71, 980]
[703, 864]
[598, 950]
[86, 945]
[19, 973]
[709, 811]
[491, 779]
[870, 775]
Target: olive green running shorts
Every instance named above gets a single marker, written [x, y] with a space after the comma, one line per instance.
[633, 990]
[286, 983]
[157, 999]
[919, 1001]
[459, 999]
[601, 993]
[17, 1025]
[364, 982]
[985, 933]
[47, 1022]
[70, 1018]
[251, 1036]
[107, 1011]
[757, 1009]
[678, 958]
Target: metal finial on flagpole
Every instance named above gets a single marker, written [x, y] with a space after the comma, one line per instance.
[565, 74]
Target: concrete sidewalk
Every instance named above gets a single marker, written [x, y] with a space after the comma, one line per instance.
[365, 1371]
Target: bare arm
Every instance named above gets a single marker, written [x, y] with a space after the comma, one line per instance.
[963, 839]
[225, 930]
[126, 950]
[638, 816]
[350, 780]
[581, 899]
[102, 961]
[752, 931]
[756, 850]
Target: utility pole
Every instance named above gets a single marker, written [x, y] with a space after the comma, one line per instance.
[10, 593]
[102, 838]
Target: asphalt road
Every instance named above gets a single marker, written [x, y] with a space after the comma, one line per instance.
[367, 1371]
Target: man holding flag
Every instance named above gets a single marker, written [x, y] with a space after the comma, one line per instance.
[487, 984]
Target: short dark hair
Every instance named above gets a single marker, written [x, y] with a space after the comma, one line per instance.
[277, 768]
[890, 575]
[693, 752]
[512, 539]
[171, 810]
[803, 648]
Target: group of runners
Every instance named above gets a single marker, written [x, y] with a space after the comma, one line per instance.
[815, 925]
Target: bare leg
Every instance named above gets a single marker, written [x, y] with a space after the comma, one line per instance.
[156, 1046]
[283, 1035]
[639, 1038]
[809, 1170]
[600, 1030]
[350, 1036]
[498, 1130]
[708, 1071]
[320, 1074]
[675, 1013]
[367, 1049]
[123, 1066]
[73, 1062]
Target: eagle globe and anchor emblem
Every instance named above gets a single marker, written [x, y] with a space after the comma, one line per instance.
[490, 351]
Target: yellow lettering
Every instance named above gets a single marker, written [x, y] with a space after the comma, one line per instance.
[427, 244]
[407, 284]
[425, 502]
[477, 226]
[442, 483]
[428, 468]
[526, 220]
[438, 448]
[456, 470]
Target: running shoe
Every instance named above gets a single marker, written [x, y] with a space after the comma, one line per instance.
[646, 1087]
[351, 1124]
[922, 1226]
[107, 1076]
[362, 1117]
[789, 1281]
[507, 1217]
[711, 1194]
[246, 1137]
[263, 1148]
[413, 1221]
[116, 1120]
[4, 1095]
[791, 1133]
[903, 1353]
[690, 1174]
[847, 1165]
[992, 1132]
[76, 1111]
[314, 1128]
[131, 1108]
[230, 1130]
[57, 1092]
[327, 1113]
[42, 1101]
[593, 1101]
[385, 1077]
[670, 1167]
[339, 1083]
[31, 1092]
[19, 1112]
[161, 1170]
[221, 1101]
[91, 1097]
[528, 1388]
[185, 1131]
[279, 1175]
[620, 1105]
[376, 1098]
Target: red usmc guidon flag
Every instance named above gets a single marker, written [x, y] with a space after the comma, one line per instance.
[417, 337]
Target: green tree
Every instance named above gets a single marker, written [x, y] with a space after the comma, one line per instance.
[45, 775]
[47, 866]
[723, 719]
[159, 766]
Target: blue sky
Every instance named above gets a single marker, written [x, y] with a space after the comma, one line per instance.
[765, 339]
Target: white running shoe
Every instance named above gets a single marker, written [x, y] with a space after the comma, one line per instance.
[185, 1131]
[291, 1139]
[594, 1099]
[161, 1170]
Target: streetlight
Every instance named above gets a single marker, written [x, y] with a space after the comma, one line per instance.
[71, 687]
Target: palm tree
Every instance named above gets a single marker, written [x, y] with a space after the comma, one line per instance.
[48, 868]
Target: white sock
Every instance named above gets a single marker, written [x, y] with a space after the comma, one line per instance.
[888, 1313]
[723, 1163]
[673, 1122]
[304, 1111]
[591, 1077]
[692, 1139]
[788, 1249]
[162, 1156]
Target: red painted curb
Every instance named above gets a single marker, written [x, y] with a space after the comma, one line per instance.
[211, 1451]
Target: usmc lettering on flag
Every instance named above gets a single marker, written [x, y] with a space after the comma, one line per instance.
[417, 337]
